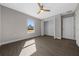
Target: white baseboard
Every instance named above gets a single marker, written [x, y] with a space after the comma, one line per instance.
[57, 38]
[11, 41]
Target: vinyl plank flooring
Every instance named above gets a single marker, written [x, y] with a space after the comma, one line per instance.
[40, 46]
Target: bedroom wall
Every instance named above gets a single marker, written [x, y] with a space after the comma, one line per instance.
[77, 25]
[0, 25]
[58, 26]
[14, 25]
[42, 28]
[53, 26]
[49, 26]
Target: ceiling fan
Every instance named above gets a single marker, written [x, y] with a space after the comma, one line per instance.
[42, 9]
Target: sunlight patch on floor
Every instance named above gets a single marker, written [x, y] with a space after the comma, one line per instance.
[29, 48]
[29, 42]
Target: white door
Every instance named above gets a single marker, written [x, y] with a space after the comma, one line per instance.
[68, 27]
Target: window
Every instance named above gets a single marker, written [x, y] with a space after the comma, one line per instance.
[30, 26]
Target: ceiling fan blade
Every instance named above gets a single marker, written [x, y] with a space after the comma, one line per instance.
[42, 6]
[38, 12]
[46, 10]
[39, 5]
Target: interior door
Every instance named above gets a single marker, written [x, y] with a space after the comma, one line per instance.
[68, 27]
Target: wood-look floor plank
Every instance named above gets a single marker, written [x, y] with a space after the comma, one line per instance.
[45, 46]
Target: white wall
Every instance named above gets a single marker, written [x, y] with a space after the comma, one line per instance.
[0, 25]
[53, 26]
[58, 26]
[14, 26]
[42, 28]
[77, 25]
[49, 26]
[68, 27]
[46, 28]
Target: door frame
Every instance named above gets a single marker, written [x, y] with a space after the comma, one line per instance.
[65, 16]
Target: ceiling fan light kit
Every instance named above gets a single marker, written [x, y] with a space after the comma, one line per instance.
[42, 9]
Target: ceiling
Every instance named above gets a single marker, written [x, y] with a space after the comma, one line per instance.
[32, 8]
